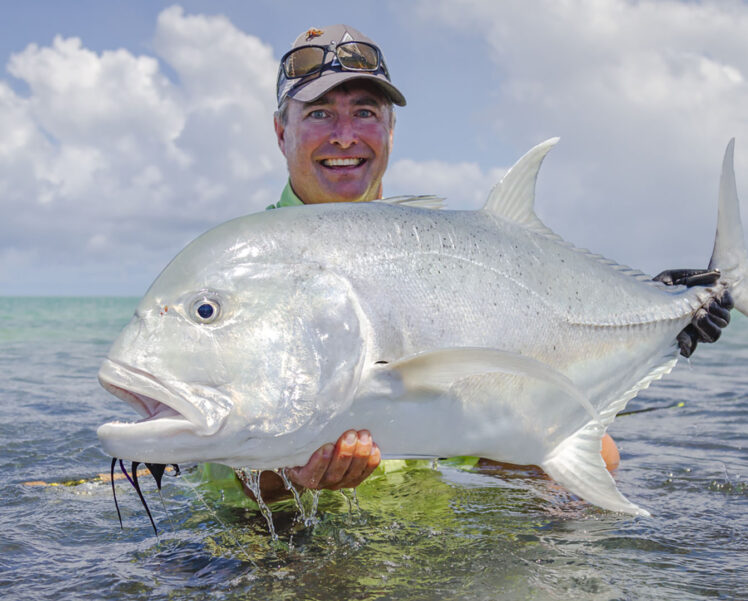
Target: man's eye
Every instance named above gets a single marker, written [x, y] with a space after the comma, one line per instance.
[365, 113]
[320, 114]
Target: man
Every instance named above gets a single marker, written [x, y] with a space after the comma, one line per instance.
[334, 126]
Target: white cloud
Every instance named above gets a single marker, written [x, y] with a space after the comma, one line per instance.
[463, 185]
[645, 96]
[111, 160]
[107, 165]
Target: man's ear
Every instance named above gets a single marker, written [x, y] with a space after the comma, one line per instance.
[280, 133]
[392, 117]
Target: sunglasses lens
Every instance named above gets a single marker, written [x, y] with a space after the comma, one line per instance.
[303, 61]
[358, 56]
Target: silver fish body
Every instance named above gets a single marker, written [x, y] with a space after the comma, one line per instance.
[442, 332]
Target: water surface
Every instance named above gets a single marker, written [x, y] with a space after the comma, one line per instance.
[414, 533]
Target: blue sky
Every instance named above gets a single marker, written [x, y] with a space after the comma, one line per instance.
[127, 128]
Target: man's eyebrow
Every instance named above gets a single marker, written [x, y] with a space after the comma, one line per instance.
[319, 101]
[366, 100]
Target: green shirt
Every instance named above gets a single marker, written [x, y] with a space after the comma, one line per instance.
[288, 198]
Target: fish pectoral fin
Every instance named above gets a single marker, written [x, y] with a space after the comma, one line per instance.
[578, 465]
[439, 370]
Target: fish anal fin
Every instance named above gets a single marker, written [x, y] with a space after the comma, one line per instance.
[577, 465]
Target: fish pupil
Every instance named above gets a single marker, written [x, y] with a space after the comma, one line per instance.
[205, 311]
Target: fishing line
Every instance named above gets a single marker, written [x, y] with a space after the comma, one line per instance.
[166, 511]
[677, 405]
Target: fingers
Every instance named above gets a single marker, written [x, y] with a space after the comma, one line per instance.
[687, 341]
[311, 474]
[721, 305]
[346, 459]
[705, 326]
[344, 465]
[688, 277]
[718, 314]
[725, 300]
[358, 458]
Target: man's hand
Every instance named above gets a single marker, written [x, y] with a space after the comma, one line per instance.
[709, 321]
[343, 465]
[346, 464]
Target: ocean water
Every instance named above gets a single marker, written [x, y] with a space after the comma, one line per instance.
[411, 533]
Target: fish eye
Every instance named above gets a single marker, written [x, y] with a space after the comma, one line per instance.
[206, 310]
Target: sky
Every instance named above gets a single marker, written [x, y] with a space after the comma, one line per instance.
[128, 127]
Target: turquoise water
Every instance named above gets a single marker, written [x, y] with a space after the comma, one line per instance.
[416, 533]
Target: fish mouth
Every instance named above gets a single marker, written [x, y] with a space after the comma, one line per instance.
[172, 413]
[146, 406]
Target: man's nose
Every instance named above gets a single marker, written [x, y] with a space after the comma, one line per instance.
[344, 133]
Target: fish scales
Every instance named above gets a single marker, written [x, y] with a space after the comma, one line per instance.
[497, 287]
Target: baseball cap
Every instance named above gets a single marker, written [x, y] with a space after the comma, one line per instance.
[329, 71]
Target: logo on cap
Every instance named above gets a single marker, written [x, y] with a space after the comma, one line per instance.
[313, 33]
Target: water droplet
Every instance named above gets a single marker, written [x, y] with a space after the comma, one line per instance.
[296, 496]
[312, 519]
[251, 478]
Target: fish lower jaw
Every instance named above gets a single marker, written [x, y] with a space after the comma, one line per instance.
[150, 438]
[161, 440]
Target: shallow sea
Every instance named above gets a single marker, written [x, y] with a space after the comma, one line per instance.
[411, 533]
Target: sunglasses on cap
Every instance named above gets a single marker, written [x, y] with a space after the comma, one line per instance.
[351, 56]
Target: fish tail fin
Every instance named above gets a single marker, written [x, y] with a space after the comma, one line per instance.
[729, 255]
[577, 464]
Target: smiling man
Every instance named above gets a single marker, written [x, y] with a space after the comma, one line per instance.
[335, 117]
[338, 145]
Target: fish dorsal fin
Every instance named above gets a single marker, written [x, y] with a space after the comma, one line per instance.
[513, 198]
[423, 201]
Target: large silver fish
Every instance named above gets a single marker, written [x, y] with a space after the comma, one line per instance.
[443, 332]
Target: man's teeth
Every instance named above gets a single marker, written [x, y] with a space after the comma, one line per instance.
[342, 162]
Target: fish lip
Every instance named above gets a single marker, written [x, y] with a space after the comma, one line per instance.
[152, 398]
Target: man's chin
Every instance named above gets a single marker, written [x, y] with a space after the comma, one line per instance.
[344, 196]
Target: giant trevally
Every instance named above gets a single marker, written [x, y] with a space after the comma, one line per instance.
[442, 332]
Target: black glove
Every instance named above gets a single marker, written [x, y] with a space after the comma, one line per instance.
[708, 322]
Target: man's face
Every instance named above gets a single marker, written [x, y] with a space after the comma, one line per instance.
[337, 146]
